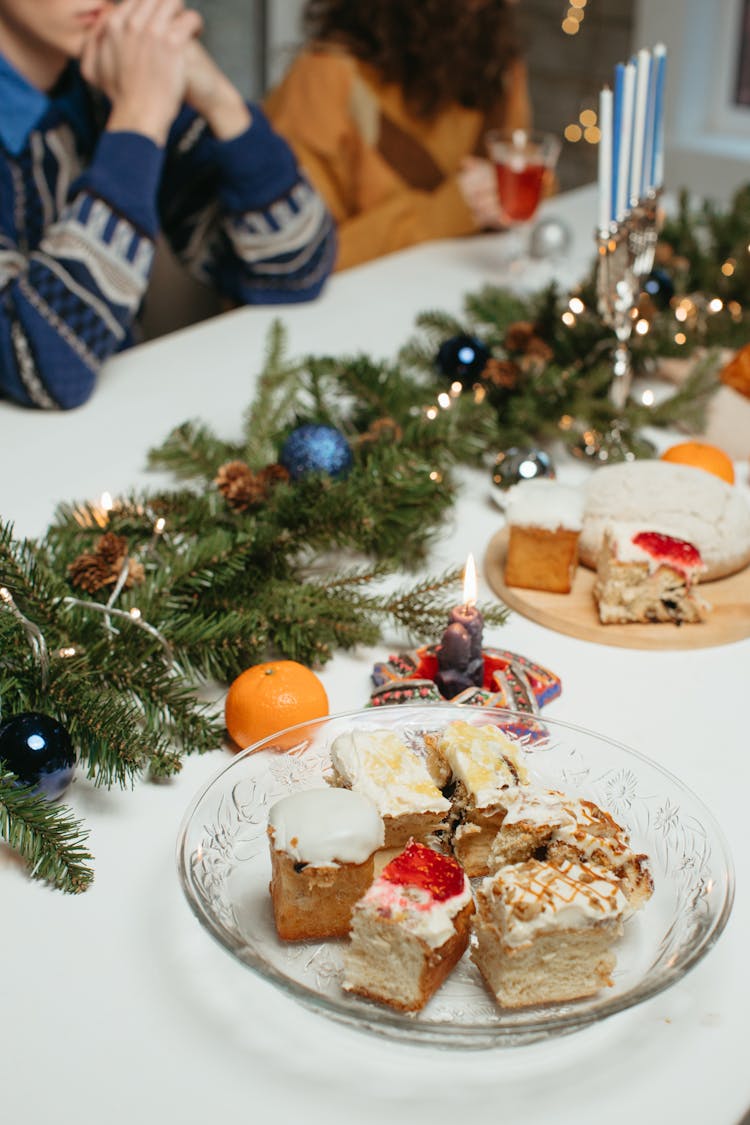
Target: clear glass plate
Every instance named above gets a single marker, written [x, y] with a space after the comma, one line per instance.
[224, 866]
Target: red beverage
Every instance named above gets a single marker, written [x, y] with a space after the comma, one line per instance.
[519, 189]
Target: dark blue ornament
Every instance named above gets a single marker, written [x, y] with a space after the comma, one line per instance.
[316, 449]
[463, 359]
[660, 288]
[37, 748]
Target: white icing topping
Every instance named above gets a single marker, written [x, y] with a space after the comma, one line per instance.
[540, 807]
[536, 898]
[416, 910]
[380, 766]
[326, 827]
[544, 503]
[483, 759]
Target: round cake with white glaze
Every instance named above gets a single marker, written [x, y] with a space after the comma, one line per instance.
[677, 500]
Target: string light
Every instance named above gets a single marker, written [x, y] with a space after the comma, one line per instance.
[642, 326]
[34, 634]
[680, 338]
[647, 398]
[728, 268]
[576, 305]
[444, 400]
[715, 305]
[574, 17]
[568, 319]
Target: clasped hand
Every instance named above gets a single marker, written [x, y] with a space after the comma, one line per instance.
[145, 56]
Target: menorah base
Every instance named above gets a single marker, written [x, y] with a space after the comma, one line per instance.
[611, 445]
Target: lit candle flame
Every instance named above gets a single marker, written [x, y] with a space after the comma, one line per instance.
[470, 582]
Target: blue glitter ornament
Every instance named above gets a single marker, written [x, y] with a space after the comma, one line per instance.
[37, 748]
[463, 359]
[316, 449]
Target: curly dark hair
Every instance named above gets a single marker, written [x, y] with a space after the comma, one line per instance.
[438, 51]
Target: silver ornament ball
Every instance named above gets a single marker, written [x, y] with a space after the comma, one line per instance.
[516, 464]
[550, 238]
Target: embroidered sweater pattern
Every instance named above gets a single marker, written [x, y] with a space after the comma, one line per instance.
[78, 222]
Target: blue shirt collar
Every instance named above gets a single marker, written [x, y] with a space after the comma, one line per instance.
[24, 106]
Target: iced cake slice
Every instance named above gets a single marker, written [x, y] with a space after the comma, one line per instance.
[647, 576]
[544, 519]
[323, 843]
[485, 767]
[382, 767]
[409, 930]
[544, 932]
[592, 836]
[546, 824]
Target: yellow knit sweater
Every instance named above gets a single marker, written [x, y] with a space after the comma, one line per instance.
[388, 177]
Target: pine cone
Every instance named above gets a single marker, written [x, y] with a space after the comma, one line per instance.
[539, 348]
[243, 489]
[90, 573]
[112, 548]
[518, 334]
[272, 475]
[93, 571]
[501, 373]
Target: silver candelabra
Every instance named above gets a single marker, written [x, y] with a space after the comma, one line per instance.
[626, 258]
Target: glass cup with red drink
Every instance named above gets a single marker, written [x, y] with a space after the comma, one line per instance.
[524, 163]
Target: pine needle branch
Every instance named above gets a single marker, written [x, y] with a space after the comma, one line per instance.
[46, 835]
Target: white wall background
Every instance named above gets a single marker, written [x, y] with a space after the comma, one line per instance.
[707, 141]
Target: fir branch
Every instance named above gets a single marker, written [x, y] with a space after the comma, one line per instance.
[191, 451]
[46, 835]
[279, 387]
[422, 610]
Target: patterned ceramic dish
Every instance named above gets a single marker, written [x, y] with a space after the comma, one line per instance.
[224, 866]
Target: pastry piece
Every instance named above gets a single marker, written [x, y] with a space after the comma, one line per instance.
[544, 519]
[409, 930]
[546, 824]
[544, 933]
[592, 836]
[485, 766]
[531, 819]
[647, 576]
[323, 843]
[382, 767]
[679, 500]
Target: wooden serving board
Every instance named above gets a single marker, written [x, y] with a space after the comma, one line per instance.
[576, 614]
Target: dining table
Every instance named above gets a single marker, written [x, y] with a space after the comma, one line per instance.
[118, 1006]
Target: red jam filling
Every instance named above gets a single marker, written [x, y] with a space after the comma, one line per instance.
[419, 866]
[674, 552]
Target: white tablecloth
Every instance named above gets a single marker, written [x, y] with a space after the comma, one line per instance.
[116, 1006]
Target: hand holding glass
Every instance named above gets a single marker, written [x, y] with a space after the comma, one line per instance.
[523, 161]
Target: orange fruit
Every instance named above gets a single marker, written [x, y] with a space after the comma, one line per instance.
[702, 455]
[268, 697]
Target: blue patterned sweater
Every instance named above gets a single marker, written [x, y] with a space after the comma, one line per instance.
[80, 209]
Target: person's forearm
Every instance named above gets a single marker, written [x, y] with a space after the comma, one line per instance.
[226, 114]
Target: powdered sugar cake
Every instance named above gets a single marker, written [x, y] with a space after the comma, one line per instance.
[678, 500]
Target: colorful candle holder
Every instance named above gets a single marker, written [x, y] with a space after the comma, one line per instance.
[510, 681]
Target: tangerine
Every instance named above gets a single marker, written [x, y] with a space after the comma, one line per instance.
[702, 455]
[268, 697]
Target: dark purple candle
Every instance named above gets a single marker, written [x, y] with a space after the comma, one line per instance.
[460, 659]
